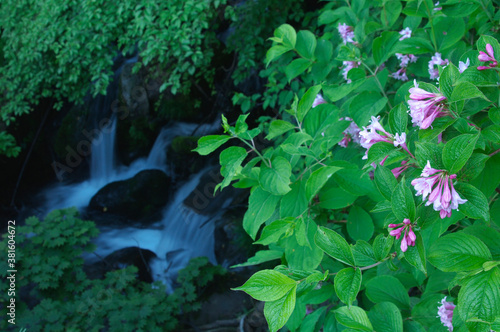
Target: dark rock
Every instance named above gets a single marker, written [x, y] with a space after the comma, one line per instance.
[139, 198]
[202, 199]
[120, 259]
[183, 161]
[133, 94]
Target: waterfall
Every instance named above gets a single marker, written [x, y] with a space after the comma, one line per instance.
[102, 161]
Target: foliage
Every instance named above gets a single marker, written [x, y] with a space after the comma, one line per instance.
[379, 215]
[49, 256]
[54, 49]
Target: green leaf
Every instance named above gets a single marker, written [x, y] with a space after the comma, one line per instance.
[438, 126]
[457, 151]
[477, 204]
[286, 34]
[447, 79]
[492, 133]
[414, 46]
[294, 203]
[390, 12]
[479, 297]
[353, 317]
[385, 181]
[278, 128]
[210, 143]
[275, 230]
[274, 52]
[489, 236]
[386, 317]
[307, 256]
[466, 90]
[448, 31]
[268, 285]
[415, 255]
[387, 288]
[378, 152]
[429, 152]
[359, 224]
[334, 245]
[335, 198]
[230, 160]
[261, 256]
[347, 284]
[425, 312]
[306, 102]
[494, 115]
[276, 179]
[403, 205]
[398, 119]
[365, 105]
[458, 252]
[363, 253]
[296, 67]
[318, 179]
[384, 46]
[241, 126]
[306, 44]
[261, 206]
[279, 311]
[336, 92]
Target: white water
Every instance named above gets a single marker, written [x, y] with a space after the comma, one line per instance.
[178, 237]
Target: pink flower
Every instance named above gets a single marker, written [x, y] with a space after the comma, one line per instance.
[462, 66]
[405, 33]
[425, 106]
[483, 57]
[375, 133]
[443, 197]
[350, 134]
[406, 59]
[436, 6]
[445, 312]
[318, 100]
[436, 60]
[404, 228]
[398, 170]
[400, 75]
[346, 33]
[348, 66]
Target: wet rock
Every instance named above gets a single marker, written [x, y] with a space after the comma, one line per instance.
[133, 93]
[140, 198]
[182, 160]
[120, 259]
[202, 199]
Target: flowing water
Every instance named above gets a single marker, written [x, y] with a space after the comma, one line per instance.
[179, 236]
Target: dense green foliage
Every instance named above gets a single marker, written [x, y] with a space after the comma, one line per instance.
[378, 214]
[62, 297]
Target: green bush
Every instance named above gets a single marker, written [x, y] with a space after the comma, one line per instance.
[379, 199]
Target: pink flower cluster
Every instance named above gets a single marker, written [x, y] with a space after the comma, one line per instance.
[346, 33]
[375, 133]
[490, 57]
[443, 196]
[404, 228]
[348, 66]
[350, 134]
[445, 312]
[425, 106]
[436, 60]
[405, 60]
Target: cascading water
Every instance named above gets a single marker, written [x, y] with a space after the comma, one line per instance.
[180, 235]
